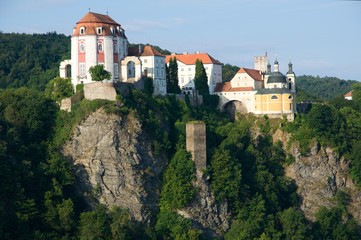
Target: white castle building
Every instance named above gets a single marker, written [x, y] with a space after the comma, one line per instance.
[187, 70]
[99, 40]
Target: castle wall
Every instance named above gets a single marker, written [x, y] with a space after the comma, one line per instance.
[100, 90]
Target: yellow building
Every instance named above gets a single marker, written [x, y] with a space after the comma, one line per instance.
[260, 91]
[277, 98]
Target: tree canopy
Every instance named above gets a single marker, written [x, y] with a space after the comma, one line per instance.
[98, 73]
[201, 79]
[172, 76]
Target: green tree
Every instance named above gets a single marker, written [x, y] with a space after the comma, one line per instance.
[59, 88]
[178, 190]
[250, 222]
[226, 176]
[95, 225]
[201, 79]
[98, 73]
[148, 85]
[172, 76]
[294, 225]
[228, 72]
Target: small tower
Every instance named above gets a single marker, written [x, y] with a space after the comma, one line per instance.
[291, 78]
[196, 144]
[260, 63]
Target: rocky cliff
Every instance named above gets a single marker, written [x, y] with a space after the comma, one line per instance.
[319, 175]
[114, 163]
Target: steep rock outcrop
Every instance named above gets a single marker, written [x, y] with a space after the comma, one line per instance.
[114, 162]
[214, 218]
[319, 175]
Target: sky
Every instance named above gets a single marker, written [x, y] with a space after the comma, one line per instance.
[320, 37]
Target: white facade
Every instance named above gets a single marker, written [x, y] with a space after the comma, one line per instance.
[186, 70]
[97, 40]
[145, 62]
[242, 88]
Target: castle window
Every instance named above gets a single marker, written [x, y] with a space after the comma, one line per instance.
[99, 30]
[290, 97]
[82, 30]
[274, 97]
[100, 47]
[289, 86]
[290, 106]
[82, 70]
[116, 70]
[82, 47]
[145, 61]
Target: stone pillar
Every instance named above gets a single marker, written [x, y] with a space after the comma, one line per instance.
[196, 144]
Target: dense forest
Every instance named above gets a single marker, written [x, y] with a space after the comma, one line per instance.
[38, 199]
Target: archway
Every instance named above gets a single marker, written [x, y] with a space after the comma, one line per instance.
[68, 71]
[234, 107]
[130, 69]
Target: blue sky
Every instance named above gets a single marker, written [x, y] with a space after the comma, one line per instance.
[321, 37]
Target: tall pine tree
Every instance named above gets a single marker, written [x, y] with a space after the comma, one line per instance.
[201, 79]
[172, 76]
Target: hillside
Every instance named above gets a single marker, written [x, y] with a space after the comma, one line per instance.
[323, 88]
[120, 170]
[131, 156]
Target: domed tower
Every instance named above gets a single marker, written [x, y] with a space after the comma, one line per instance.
[276, 79]
[97, 40]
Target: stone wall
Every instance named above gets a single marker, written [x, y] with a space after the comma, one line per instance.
[100, 90]
[196, 144]
[67, 103]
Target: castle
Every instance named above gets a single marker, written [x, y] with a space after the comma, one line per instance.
[99, 40]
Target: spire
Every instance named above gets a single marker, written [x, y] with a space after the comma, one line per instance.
[276, 66]
[290, 71]
[268, 68]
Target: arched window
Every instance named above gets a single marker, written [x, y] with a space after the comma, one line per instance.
[290, 86]
[274, 97]
[100, 47]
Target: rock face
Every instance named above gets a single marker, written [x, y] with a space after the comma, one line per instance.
[210, 216]
[319, 175]
[114, 163]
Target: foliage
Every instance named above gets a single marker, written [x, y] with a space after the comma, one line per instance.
[98, 73]
[330, 225]
[228, 72]
[31, 60]
[201, 79]
[58, 89]
[324, 88]
[172, 226]
[148, 85]
[172, 76]
[178, 190]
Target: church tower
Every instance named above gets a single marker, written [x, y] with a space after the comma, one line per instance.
[97, 40]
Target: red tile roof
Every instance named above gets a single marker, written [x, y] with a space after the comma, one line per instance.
[91, 21]
[190, 59]
[255, 74]
[147, 50]
[349, 94]
[150, 51]
[227, 87]
[91, 17]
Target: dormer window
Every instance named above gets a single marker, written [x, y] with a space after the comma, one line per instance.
[82, 30]
[99, 30]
